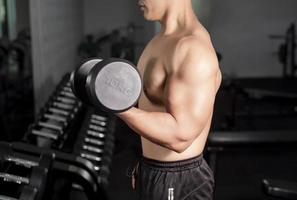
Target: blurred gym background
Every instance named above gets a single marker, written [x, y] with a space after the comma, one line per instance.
[252, 145]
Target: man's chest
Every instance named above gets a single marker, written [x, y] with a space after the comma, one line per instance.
[153, 67]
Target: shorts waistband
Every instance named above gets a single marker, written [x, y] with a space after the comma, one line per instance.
[172, 165]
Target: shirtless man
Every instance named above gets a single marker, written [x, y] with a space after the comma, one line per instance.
[181, 77]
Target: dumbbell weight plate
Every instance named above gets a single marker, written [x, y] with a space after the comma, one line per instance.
[114, 85]
[78, 79]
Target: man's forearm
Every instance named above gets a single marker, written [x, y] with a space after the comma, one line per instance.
[158, 127]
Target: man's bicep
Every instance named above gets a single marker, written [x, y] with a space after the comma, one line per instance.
[190, 97]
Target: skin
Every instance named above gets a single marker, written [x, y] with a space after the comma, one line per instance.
[181, 77]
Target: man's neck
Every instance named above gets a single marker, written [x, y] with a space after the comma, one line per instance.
[178, 17]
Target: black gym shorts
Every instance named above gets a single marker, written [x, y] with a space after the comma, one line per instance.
[189, 179]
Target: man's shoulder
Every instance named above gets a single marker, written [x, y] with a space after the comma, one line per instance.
[198, 48]
[196, 41]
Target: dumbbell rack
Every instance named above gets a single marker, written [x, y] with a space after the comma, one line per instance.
[50, 166]
[21, 177]
[79, 138]
[95, 142]
[55, 122]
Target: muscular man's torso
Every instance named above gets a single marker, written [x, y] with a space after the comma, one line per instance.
[154, 65]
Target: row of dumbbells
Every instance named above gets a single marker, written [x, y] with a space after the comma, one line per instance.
[96, 142]
[56, 118]
[28, 172]
[63, 120]
[21, 178]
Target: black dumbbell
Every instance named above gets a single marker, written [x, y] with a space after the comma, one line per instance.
[96, 134]
[92, 141]
[64, 99]
[67, 94]
[63, 105]
[91, 157]
[92, 149]
[97, 128]
[99, 118]
[61, 112]
[56, 118]
[25, 173]
[51, 124]
[97, 122]
[113, 85]
[45, 133]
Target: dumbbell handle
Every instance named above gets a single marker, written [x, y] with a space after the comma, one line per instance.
[90, 157]
[98, 117]
[66, 100]
[96, 134]
[67, 89]
[63, 105]
[94, 141]
[51, 126]
[97, 128]
[93, 149]
[58, 111]
[43, 134]
[22, 162]
[14, 178]
[55, 117]
[97, 122]
[68, 94]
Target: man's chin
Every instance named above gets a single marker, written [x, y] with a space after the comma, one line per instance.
[148, 18]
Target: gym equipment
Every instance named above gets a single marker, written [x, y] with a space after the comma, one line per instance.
[280, 188]
[286, 52]
[19, 173]
[113, 85]
[96, 142]
[81, 140]
[95, 134]
[76, 170]
[251, 156]
[257, 103]
[56, 120]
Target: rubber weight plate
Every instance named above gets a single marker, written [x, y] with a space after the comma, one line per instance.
[114, 85]
[78, 79]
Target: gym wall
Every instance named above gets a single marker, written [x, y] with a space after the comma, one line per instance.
[240, 31]
[105, 15]
[23, 17]
[57, 29]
